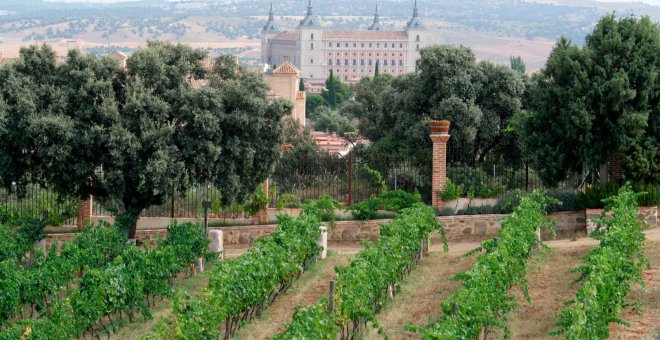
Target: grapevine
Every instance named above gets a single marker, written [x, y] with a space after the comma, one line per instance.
[608, 272]
[241, 288]
[364, 285]
[484, 301]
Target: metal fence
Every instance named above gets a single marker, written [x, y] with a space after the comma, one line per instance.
[39, 202]
[186, 205]
[347, 179]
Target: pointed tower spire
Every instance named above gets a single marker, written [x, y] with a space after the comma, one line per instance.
[310, 20]
[375, 26]
[271, 26]
[415, 22]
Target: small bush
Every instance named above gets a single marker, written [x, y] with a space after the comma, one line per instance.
[324, 207]
[396, 200]
[447, 211]
[288, 201]
[478, 210]
[593, 197]
[452, 191]
[365, 210]
[258, 202]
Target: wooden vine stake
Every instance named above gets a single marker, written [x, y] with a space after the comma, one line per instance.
[331, 297]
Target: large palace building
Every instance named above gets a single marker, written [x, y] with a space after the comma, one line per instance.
[351, 54]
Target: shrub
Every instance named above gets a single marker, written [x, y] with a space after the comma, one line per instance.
[365, 210]
[593, 197]
[452, 191]
[447, 211]
[288, 201]
[477, 210]
[258, 202]
[324, 207]
[396, 200]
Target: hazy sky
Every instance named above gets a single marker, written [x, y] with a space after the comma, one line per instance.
[649, 2]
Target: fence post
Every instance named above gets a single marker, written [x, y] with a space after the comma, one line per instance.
[84, 212]
[217, 243]
[331, 297]
[350, 178]
[323, 240]
[440, 137]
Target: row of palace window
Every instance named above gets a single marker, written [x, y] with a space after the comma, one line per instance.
[363, 45]
[355, 44]
[363, 62]
[311, 47]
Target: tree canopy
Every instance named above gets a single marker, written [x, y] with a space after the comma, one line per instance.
[134, 136]
[480, 98]
[593, 102]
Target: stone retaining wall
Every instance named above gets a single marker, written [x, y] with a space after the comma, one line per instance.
[458, 228]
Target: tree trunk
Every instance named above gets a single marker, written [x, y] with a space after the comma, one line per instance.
[132, 229]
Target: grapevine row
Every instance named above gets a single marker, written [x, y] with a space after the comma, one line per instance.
[363, 285]
[103, 292]
[608, 273]
[31, 282]
[241, 288]
[484, 302]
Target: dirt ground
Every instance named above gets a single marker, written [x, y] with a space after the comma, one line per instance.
[549, 277]
[418, 301]
[306, 291]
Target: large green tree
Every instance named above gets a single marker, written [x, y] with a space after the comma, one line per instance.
[593, 102]
[332, 121]
[134, 136]
[479, 98]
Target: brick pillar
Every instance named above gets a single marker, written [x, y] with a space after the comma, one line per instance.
[440, 137]
[84, 212]
[262, 216]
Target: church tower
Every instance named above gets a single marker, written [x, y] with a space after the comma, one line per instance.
[417, 36]
[310, 46]
[270, 30]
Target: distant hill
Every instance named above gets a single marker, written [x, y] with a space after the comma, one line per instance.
[494, 29]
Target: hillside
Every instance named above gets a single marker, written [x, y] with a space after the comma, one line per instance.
[494, 29]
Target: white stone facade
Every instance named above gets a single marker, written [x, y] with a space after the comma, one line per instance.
[350, 54]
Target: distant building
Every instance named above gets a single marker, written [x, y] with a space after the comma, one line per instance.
[334, 144]
[351, 54]
[284, 83]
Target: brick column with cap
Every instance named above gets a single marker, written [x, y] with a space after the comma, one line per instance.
[440, 137]
[84, 212]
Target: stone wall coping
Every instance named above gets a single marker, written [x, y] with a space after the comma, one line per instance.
[245, 227]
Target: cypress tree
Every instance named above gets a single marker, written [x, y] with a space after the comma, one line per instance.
[301, 86]
[332, 90]
[377, 71]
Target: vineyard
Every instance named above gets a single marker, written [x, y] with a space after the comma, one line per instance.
[397, 287]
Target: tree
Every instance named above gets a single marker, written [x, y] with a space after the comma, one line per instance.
[336, 91]
[54, 120]
[313, 103]
[331, 121]
[147, 127]
[377, 70]
[301, 85]
[331, 86]
[597, 101]
[517, 64]
[479, 98]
